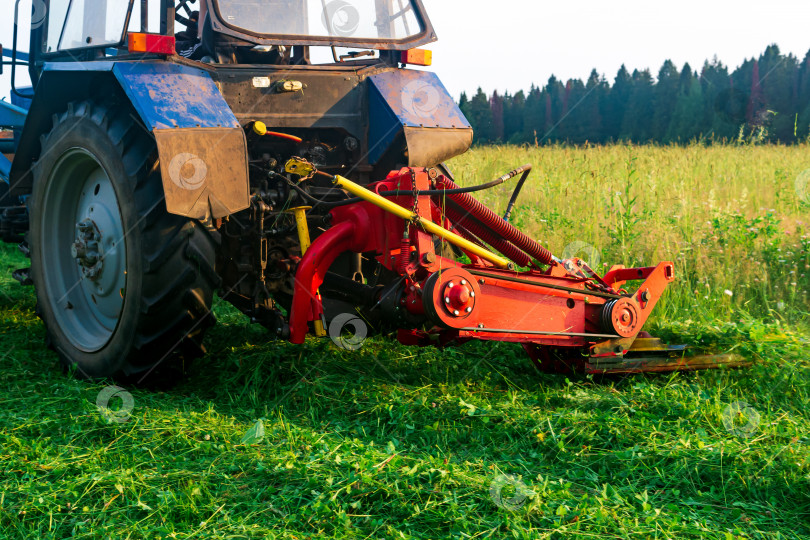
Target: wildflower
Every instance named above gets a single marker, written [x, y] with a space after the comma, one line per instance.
[728, 293]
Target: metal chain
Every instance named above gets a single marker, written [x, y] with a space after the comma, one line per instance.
[415, 193]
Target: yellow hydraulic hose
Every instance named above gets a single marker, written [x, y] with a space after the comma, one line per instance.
[305, 169]
[429, 226]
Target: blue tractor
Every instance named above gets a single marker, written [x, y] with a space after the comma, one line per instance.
[153, 167]
[148, 159]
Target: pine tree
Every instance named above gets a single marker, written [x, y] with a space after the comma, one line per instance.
[496, 104]
[513, 117]
[535, 115]
[480, 117]
[637, 126]
[666, 96]
[617, 101]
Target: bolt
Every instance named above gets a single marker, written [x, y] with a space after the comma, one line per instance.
[450, 285]
[480, 325]
[446, 299]
[455, 312]
[463, 281]
[469, 309]
[645, 296]
[482, 281]
[429, 258]
[472, 294]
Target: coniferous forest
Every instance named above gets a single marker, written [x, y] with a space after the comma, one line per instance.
[766, 99]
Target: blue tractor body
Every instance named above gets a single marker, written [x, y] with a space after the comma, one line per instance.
[148, 163]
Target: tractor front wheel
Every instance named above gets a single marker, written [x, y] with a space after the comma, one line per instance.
[122, 286]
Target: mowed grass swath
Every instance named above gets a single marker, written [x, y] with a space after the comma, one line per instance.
[471, 442]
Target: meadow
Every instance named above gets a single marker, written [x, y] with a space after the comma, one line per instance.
[269, 440]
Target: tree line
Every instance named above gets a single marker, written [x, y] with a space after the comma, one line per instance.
[766, 99]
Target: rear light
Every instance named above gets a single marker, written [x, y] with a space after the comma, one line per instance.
[417, 57]
[150, 43]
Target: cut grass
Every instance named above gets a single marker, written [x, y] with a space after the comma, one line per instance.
[399, 442]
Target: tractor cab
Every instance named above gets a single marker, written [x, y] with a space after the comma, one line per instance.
[227, 31]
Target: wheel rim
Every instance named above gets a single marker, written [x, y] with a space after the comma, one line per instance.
[83, 252]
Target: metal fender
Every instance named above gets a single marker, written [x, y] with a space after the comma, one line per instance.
[201, 146]
[415, 105]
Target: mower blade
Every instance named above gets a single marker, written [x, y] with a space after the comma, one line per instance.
[651, 355]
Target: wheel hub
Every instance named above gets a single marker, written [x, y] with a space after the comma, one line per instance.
[459, 298]
[86, 249]
[83, 249]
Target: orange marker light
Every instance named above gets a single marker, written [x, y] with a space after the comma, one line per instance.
[150, 43]
[417, 57]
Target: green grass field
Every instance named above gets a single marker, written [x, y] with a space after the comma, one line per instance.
[397, 442]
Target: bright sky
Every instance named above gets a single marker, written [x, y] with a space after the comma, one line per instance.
[509, 44]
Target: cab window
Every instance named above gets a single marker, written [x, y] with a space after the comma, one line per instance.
[78, 24]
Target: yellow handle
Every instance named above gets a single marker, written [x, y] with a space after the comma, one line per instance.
[429, 226]
[300, 214]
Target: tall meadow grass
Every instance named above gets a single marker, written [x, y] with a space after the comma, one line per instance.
[735, 220]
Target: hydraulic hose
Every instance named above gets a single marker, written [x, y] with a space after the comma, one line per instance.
[525, 169]
[491, 220]
[508, 249]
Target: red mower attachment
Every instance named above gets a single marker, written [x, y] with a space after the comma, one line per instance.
[566, 316]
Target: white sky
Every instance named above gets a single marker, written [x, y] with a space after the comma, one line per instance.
[510, 44]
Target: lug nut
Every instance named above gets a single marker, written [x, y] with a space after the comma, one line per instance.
[455, 312]
[469, 309]
[446, 299]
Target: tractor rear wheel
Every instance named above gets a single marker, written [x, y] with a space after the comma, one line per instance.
[122, 285]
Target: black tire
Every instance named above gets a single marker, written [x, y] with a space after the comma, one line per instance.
[168, 260]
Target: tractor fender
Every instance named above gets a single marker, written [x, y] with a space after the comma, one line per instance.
[201, 146]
